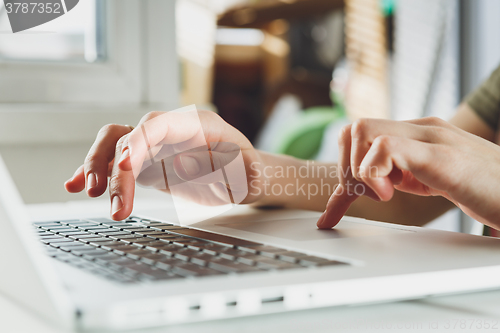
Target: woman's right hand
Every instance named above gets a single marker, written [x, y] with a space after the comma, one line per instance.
[426, 157]
[170, 145]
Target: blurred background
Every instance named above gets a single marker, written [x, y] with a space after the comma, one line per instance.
[287, 73]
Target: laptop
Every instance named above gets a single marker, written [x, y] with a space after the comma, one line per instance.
[141, 272]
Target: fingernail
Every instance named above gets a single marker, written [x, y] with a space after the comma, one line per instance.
[124, 156]
[91, 181]
[321, 219]
[116, 205]
[190, 165]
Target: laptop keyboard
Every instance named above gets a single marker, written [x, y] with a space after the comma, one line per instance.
[142, 250]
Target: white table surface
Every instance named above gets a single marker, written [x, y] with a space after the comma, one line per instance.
[474, 312]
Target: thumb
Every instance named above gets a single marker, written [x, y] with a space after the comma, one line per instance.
[337, 206]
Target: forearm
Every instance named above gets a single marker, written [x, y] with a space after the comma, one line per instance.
[403, 208]
[300, 184]
[294, 183]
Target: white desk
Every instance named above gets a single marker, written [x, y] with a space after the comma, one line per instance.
[476, 312]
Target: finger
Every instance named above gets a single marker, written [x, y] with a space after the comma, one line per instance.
[337, 206]
[417, 160]
[344, 168]
[365, 131]
[76, 183]
[344, 141]
[100, 155]
[412, 185]
[121, 188]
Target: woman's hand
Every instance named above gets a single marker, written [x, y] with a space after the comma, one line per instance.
[427, 157]
[167, 149]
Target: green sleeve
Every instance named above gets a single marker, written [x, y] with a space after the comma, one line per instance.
[485, 100]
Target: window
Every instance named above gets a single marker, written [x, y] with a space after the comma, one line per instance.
[77, 36]
[117, 58]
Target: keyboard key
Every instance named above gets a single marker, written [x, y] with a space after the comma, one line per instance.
[48, 240]
[82, 234]
[106, 243]
[59, 240]
[185, 254]
[214, 249]
[130, 237]
[275, 264]
[142, 241]
[182, 242]
[118, 225]
[202, 258]
[58, 244]
[83, 225]
[63, 255]
[48, 226]
[134, 229]
[141, 268]
[155, 245]
[228, 266]
[188, 269]
[53, 237]
[114, 233]
[152, 233]
[331, 263]
[77, 251]
[251, 259]
[150, 222]
[48, 223]
[168, 263]
[74, 232]
[170, 249]
[269, 251]
[197, 244]
[91, 254]
[124, 238]
[151, 259]
[94, 239]
[158, 276]
[61, 230]
[232, 253]
[124, 249]
[137, 254]
[105, 259]
[120, 263]
[170, 237]
[112, 245]
[291, 256]
[95, 227]
[43, 233]
[75, 246]
[312, 261]
[102, 220]
[71, 221]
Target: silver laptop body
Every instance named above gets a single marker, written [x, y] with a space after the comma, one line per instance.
[379, 262]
